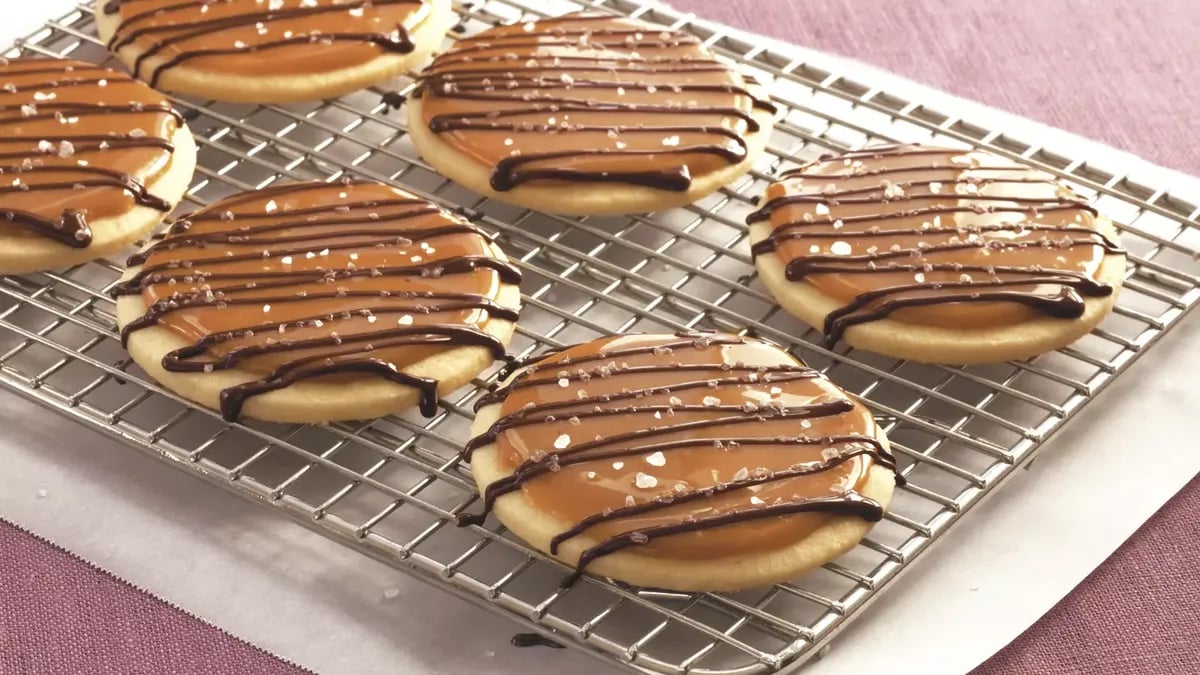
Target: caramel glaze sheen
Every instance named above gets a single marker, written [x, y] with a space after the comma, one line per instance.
[263, 37]
[589, 98]
[319, 280]
[78, 142]
[716, 443]
[915, 233]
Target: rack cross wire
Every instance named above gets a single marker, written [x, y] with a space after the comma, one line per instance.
[389, 488]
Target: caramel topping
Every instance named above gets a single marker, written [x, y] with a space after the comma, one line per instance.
[319, 280]
[78, 143]
[589, 98]
[263, 37]
[914, 234]
[688, 446]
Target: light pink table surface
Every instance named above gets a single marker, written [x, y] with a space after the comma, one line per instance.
[1119, 72]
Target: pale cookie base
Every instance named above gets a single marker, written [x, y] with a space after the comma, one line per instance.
[20, 255]
[313, 401]
[725, 573]
[937, 344]
[578, 198]
[190, 80]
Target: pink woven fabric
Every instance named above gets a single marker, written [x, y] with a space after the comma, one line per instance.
[1118, 72]
[60, 615]
[1114, 71]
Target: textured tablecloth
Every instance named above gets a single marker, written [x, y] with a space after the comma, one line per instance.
[1106, 69]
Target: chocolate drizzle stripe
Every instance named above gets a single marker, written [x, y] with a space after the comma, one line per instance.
[848, 504]
[339, 325]
[52, 131]
[78, 109]
[597, 65]
[910, 213]
[780, 374]
[525, 71]
[632, 436]
[803, 469]
[831, 212]
[14, 67]
[804, 171]
[149, 275]
[452, 121]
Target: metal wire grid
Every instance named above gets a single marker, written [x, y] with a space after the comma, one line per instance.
[389, 487]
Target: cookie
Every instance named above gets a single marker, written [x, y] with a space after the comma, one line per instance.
[91, 161]
[936, 254]
[696, 462]
[588, 114]
[315, 302]
[271, 52]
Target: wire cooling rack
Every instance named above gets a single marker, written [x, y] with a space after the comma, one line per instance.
[390, 487]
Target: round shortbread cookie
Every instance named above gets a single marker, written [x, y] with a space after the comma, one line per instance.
[244, 51]
[93, 160]
[696, 462]
[936, 255]
[588, 114]
[316, 302]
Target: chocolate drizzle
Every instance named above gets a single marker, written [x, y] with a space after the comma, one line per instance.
[678, 407]
[70, 132]
[177, 32]
[590, 98]
[309, 280]
[905, 228]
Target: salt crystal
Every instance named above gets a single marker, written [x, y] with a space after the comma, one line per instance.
[742, 474]
[656, 459]
[638, 538]
[630, 501]
[712, 401]
[645, 481]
